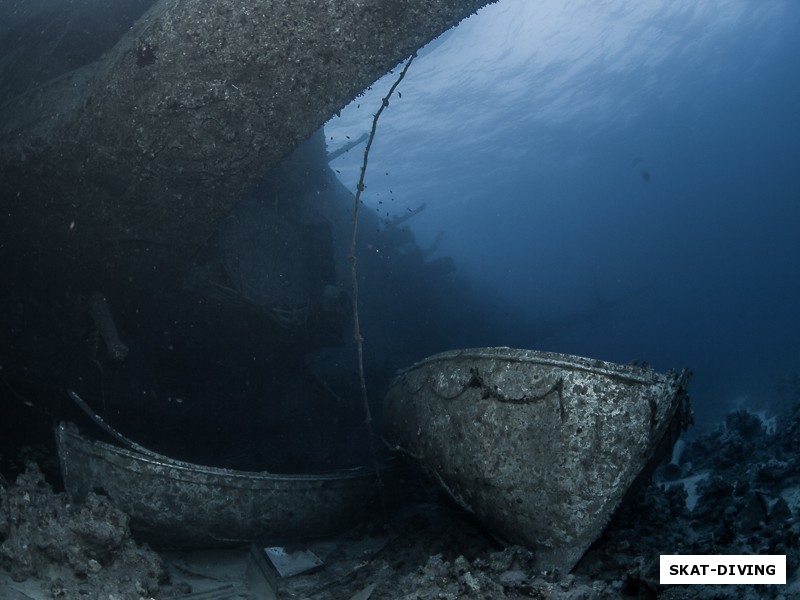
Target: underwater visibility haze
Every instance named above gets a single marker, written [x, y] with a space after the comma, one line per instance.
[624, 173]
[612, 179]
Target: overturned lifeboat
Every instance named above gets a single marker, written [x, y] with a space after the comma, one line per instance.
[541, 447]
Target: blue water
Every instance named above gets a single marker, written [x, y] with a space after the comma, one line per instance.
[624, 172]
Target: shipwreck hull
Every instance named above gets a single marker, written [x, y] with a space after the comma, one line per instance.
[541, 447]
[181, 504]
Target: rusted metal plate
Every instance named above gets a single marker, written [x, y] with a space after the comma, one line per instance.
[541, 447]
[172, 502]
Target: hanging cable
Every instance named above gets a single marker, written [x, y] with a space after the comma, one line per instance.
[354, 277]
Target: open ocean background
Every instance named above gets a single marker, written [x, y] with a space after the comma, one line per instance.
[623, 172]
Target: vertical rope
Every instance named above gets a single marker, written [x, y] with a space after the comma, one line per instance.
[354, 277]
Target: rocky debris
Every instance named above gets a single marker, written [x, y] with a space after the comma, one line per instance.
[437, 552]
[506, 574]
[73, 551]
[748, 503]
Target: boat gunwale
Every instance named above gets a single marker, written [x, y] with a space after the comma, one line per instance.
[104, 451]
[552, 359]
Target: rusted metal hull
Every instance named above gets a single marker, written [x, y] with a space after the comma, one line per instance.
[175, 503]
[541, 447]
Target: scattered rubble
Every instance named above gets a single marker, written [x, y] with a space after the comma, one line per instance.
[82, 552]
[747, 484]
[743, 484]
